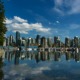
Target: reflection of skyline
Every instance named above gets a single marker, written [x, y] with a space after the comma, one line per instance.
[33, 65]
[16, 56]
[74, 56]
[57, 56]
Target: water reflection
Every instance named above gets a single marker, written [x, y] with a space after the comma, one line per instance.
[16, 56]
[57, 56]
[42, 56]
[72, 55]
[34, 65]
[1, 71]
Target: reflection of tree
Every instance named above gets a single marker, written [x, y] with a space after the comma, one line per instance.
[1, 71]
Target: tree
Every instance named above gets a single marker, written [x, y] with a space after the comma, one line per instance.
[3, 28]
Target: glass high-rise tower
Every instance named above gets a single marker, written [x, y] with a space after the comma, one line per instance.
[17, 38]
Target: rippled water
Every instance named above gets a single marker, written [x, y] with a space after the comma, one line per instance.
[36, 65]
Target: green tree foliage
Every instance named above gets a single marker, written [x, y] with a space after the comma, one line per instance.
[3, 28]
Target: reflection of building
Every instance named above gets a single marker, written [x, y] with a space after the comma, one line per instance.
[57, 56]
[67, 42]
[79, 43]
[16, 59]
[68, 55]
[77, 56]
[38, 57]
[42, 56]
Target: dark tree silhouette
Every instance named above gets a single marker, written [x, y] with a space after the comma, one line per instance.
[3, 28]
[1, 71]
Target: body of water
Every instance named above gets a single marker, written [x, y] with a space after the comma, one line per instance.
[34, 65]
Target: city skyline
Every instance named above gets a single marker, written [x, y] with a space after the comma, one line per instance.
[41, 41]
[44, 17]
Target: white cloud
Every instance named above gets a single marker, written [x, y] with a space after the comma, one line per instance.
[19, 19]
[22, 25]
[75, 7]
[57, 22]
[8, 21]
[67, 6]
[24, 71]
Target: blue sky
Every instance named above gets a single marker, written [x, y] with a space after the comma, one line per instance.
[44, 17]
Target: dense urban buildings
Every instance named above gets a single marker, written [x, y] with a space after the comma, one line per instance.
[41, 41]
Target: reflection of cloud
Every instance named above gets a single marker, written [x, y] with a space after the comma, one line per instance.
[39, 70]
[43, 71]
[23, 71]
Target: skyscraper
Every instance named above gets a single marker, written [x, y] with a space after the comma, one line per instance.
[44, 42]
[57, 42]
[49, 42]
[10, 40]
[76, 40]
[38, 39]
[67, 42]
[29, 41]
[7, 41]
[17, 38]
[72, 43]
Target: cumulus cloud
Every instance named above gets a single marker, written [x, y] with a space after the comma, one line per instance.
[16, 18]
[67, 6]
[22, 25]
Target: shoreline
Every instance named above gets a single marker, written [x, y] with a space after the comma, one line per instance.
[1, 52]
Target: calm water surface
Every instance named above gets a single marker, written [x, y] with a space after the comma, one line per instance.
[36, 65]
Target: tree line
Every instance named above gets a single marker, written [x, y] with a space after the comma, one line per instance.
[3, 28]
